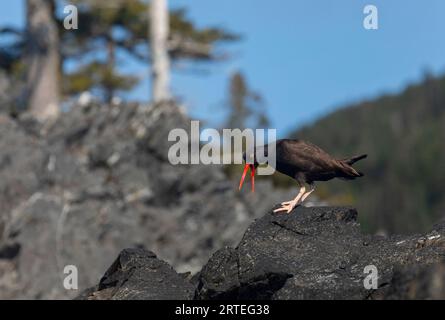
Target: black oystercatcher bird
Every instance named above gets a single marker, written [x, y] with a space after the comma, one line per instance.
[306, 163]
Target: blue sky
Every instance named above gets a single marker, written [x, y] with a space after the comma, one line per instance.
[306, 57]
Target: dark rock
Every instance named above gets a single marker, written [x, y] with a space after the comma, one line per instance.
[219, 277]
[9, 251]
[314, 253]
[138, 275]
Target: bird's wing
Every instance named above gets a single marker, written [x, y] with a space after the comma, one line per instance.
[306, 156]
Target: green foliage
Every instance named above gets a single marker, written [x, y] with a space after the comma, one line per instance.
[188, 41]
[180, 24]
[246, 107]
[403, 135]
[97, 75]
[105, 29]
[122, 26]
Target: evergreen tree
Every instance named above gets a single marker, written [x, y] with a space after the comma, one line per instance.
[246, 107]
[123, 27]
[108, 32]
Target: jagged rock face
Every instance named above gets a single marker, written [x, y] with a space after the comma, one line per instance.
[138, 274]
[313, 253]
[98, 181]
[316, 253]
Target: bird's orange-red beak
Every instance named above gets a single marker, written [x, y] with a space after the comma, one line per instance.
[252, 176]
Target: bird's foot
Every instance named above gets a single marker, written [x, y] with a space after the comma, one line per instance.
[287, 206]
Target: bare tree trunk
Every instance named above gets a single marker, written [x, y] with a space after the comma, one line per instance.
[43, 60]
[159, 29]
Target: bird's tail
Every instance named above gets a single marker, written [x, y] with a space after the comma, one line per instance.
[354, 159]
[347, 171]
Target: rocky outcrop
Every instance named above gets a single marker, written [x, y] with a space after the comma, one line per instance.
[98, 181]
[315, 253]
[138, 274]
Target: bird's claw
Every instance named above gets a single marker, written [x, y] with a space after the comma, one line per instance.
[287, 206]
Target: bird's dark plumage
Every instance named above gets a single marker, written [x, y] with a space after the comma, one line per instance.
[307, 162]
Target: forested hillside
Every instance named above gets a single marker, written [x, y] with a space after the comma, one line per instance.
[403, 135]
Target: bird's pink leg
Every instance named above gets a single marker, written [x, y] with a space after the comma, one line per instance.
[288, 206]
[304, 197]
